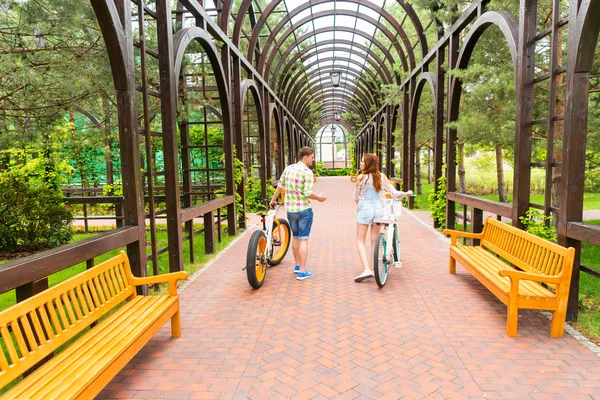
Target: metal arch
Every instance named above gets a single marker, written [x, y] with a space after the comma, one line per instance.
[250, 85]
[296, 77]
[271, 54]
[374, 61]
[359, 81]
[330, 29]
[348, 71]
[425, 77]
[408, 9]
[287, 132]
[505, 21]
[181, 41]
[326, 42]
[330, 122]
[388, 17]
[345, 106]
[509, 27]
[287, 93]
[115, 41]
[304, 105]
[307, 91]
[586, 35]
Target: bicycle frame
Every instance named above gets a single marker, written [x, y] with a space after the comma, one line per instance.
[267, 221]
[389, 236]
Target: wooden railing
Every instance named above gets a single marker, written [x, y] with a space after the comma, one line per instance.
[28, 275]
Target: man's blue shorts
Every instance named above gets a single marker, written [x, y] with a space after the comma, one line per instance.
[301, 223]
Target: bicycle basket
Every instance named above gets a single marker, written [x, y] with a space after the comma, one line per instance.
[392, 205]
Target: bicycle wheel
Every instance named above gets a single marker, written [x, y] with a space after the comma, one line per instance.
[396, 244]
[281, 237]
[380, 263]
[256, 264]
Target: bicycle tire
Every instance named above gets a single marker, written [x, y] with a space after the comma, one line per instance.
[380, 264]
[256, 265]
[396, 244]
[278, 252]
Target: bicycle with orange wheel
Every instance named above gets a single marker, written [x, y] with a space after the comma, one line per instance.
[267, 246]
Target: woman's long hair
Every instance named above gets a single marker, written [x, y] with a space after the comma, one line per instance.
[371, 166]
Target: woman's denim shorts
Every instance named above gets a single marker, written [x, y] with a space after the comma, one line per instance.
[368, 211]
[301, 223]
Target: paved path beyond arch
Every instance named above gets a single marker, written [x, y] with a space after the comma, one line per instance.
[427, 334]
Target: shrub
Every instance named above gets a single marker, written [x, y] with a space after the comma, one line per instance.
[32, 214]
[254, 196]
[437, 203]
[320, 171]
[535, 223]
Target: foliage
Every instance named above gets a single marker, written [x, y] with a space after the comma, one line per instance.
[254, 195]
[321, 171]
[535, 223]
[437, 202]
[32, 214]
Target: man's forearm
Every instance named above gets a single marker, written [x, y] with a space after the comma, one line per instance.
[313, 196]
[276, 194]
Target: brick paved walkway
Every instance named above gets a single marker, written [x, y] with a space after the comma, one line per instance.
[427, 334]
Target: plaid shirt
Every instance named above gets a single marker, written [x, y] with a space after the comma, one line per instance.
[297, 180]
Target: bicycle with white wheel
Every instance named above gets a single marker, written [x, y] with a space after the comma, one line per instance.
[267, 246]
[386, 250]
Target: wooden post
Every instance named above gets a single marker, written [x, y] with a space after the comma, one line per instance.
[168, 106]
[524, 116]
[209, 232]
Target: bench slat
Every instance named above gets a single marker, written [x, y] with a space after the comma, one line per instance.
[69, 373]
[492, 265]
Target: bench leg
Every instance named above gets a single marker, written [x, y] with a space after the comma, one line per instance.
[557, 329]
[452, 265]
[176, 325]
[512, 320]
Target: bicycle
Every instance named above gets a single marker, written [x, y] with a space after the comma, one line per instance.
[267, 247]
[385, 254]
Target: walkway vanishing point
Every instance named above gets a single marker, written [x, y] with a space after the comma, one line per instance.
[426, 334]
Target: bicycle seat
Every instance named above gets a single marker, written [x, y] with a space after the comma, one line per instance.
[385, 221]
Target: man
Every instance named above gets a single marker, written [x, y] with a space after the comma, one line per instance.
[297, 180]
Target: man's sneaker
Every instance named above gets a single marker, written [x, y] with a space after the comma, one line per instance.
[296, 269]
[303, 275]
[365, 275]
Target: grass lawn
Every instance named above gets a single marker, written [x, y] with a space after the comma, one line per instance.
[591, 201]
[9, 298]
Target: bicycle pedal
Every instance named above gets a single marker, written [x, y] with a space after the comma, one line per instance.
[398, 264]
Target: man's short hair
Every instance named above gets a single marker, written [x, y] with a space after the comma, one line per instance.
[305, 151]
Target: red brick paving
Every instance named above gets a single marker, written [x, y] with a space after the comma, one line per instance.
[426, 334]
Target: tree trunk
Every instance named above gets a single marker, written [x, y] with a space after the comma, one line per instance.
[78, 157]
[500, 170]
[428, 165]
[418, 171]
[462, 183]
[107, 142]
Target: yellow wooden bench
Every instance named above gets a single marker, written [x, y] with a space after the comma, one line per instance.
[541, 280]
[37, 327]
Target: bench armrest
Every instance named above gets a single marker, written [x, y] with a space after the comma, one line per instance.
[454, 234]
[171, 278]
[527, 276]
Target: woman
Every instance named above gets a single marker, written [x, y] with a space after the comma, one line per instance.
[370, 197]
